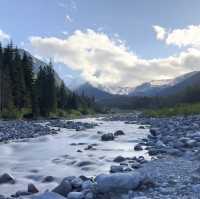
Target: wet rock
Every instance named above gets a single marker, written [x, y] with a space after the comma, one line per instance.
[116, 168]
[89, 195]
[21, 193]
[75, 195]
[119, 159]
[80, 128]
[63, 188]
[49, 195]
[84, 163]
[90, 147]
[196, 189]
[154, 131]
[141, 127]
[119, 182]
[87, 185]
[136, 165]
[119, 133]
[76, 182]
[32, 189]
[48, 179]
[107, 137]
[138, 147]
[6, 178]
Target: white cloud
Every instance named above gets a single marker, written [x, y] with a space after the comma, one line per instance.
[4, 36]
[107, 61]
[189, 36]
[160, 32]
[185, 37]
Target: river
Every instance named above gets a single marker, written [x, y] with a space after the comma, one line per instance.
[30, 160]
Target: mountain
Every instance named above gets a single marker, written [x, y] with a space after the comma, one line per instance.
[190, 79]
[167, 87]
[92, 91]
[116, 90]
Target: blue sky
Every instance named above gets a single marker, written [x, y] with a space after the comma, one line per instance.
[128, 23]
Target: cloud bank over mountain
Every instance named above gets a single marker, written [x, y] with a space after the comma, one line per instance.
[106, 60]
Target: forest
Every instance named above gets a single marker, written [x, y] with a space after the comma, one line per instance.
[24, 93]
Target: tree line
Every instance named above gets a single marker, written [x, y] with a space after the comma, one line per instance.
[188, 95]
[23, 91]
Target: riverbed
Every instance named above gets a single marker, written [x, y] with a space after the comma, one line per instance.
[67, 154]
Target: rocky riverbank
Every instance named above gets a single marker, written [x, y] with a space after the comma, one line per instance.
[15, 130]
[173, 172]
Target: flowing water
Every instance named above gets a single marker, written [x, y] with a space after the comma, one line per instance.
[30, 160]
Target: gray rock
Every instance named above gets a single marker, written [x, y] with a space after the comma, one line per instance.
[119, 159]
[89, 195]
[107, 137]
[154, 131]
[88, 184]
[116, 168]
[119, 133]
[6, 178]
[76, 182]
[138, 147]
[32, 189]
[75, 195]
[48, 179]
[196, 188]
[119, 182]
[49, 195]
[84, 163]
[63, 188]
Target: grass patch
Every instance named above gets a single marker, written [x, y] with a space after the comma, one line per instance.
[179, 110]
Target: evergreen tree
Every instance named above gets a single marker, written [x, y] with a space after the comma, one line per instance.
[27, 64]
[62, 97]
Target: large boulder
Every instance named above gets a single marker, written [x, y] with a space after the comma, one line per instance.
[119, 182]
[48, 195]
[6, 178]
[107, 137]
[63, 188]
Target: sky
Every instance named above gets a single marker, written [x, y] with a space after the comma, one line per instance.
[113, 43]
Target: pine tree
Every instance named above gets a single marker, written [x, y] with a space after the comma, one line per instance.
[62, 97]
[18, 81]
[27, 64]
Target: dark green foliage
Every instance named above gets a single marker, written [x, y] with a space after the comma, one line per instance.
[45, 91]
[39, 96]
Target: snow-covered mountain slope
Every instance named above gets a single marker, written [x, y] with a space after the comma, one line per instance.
[164, 87]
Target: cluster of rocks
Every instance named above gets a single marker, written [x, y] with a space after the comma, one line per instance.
[103, 186]
[127, 164]
[12, 130]
[78, 126]
[111, 136]
[177, 137]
